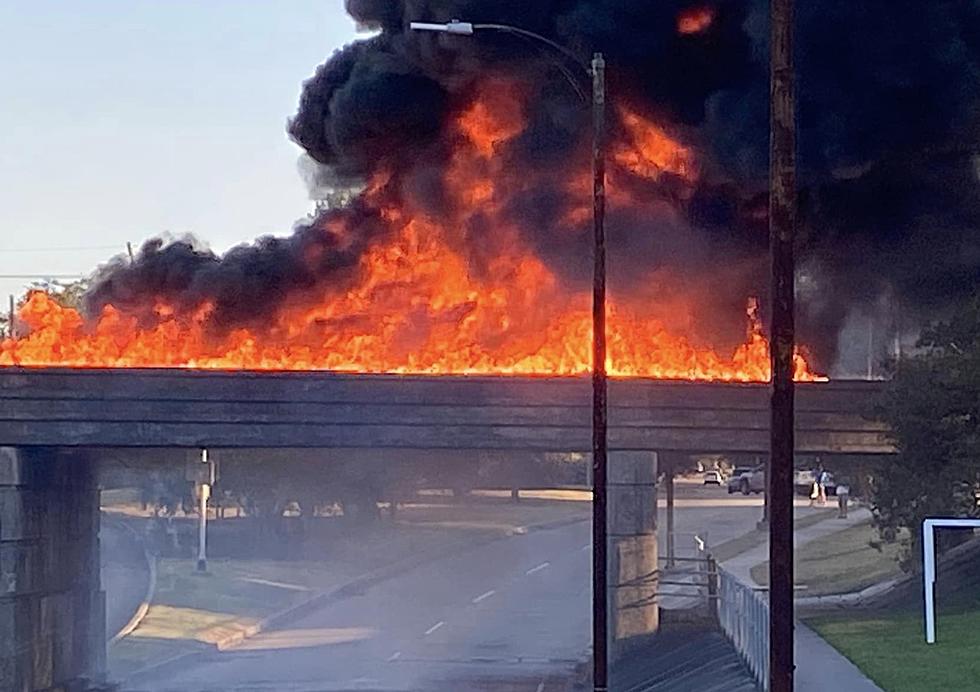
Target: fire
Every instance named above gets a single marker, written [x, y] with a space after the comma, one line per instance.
[447, 324]
[489, 122]
[650, 152]
[695, 20]
[417, 302]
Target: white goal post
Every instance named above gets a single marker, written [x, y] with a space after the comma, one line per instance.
[929, 527]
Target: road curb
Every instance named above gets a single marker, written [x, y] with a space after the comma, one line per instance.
[322, 599]
[151, 586]
[875, 594]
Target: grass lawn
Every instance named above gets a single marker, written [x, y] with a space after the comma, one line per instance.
[737, 546]
[252, 588]
[890, 646]
[842, 562]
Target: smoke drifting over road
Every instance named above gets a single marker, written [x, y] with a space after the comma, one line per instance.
[889, 129]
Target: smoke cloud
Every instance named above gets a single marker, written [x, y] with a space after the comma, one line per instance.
[889, 133]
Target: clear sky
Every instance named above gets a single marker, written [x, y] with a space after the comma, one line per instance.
[123, 119]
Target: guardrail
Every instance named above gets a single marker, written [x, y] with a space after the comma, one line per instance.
[743, 615]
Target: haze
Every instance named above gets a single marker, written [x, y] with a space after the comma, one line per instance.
[124, 120]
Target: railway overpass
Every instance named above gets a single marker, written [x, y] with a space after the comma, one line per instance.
[55, 425]
[194, 409]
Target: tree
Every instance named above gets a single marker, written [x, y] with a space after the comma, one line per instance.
[68, 294]
[933, 407]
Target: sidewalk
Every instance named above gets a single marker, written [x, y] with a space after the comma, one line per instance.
[819, 666]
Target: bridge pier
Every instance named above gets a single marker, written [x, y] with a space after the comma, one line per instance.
[52, 608]
[632, 562]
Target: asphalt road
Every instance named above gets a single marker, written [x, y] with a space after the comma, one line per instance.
[125, 573]
[511, 615]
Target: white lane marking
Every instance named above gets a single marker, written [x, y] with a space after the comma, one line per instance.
[541, 686]
[434, 628]
[276, 584]
[540, 567]
[395, 656]
[484, 596]
[587, 546]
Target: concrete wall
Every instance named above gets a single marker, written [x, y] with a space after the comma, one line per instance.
[631, 483]
[52, 608]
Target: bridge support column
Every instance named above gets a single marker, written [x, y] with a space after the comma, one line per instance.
[632, 567]
[52, 608]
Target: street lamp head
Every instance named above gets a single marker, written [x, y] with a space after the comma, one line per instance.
[453, 27]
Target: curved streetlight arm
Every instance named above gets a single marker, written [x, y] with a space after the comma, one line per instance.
[468, 29]
[596, 74]
[538, 37]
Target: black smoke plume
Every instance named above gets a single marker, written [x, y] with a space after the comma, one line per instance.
[889, 135]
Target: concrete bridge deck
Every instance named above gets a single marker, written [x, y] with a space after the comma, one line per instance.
[187, 408]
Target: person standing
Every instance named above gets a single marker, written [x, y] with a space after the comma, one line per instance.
[822, 482]
[815, 486]
[843, 495]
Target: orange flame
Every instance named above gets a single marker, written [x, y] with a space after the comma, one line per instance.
[415, 304]
[695, 20]
[650, 152]
[447, 324]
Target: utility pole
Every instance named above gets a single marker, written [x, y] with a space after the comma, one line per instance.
[782, 222]
[670, 461]
[10, 318]
[871, 346]
[600, 627]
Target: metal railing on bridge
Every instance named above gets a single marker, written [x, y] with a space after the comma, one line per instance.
[698, 585]
[743, 615]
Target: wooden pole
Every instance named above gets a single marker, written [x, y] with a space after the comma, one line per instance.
[599, 418]
[782, 221]
[669, 479]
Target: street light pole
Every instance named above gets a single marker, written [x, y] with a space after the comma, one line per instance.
[597, 73]
[782, 222]
[204, 489]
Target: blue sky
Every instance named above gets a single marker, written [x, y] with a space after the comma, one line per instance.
[123, 119]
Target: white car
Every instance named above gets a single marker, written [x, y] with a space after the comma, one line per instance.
[748, 480]
[712, 478]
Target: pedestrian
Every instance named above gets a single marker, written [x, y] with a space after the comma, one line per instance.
[843, 494]
[822, 483]
[815, 485]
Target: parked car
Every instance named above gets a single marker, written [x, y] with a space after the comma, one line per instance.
[712, 478]
[747, 480]
[803, 482]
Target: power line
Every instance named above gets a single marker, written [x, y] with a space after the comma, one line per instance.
[85, 248]
[42, 276]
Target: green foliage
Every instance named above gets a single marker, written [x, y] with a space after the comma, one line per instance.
[889, 647]
[933, 408]
[68, 294]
